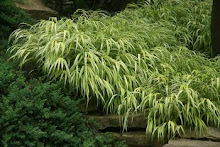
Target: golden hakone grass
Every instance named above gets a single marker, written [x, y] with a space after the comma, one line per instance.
[137, 61]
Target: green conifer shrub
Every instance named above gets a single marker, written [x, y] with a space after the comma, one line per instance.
[33, 113]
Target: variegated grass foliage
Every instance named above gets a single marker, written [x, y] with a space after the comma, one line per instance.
[134, 62]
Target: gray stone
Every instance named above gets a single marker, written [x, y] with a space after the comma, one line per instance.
[37, 9]
[211, 134]
[191, 143]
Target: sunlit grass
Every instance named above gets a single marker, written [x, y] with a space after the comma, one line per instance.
[137, 61]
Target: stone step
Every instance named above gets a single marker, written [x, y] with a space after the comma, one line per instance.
[136, 135]
[211, 134]
[209, 139]
[191, 143]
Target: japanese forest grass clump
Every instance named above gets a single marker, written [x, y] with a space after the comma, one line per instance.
[36, 113]
[137, 61]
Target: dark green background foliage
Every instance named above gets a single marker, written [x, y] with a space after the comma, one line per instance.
[33, 113]
[11, 17]
[109, 5]
[71, 6]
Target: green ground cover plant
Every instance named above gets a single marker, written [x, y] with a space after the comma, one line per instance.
[150, 59]
[37, 113]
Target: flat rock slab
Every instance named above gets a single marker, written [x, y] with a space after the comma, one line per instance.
[37, 9]
[36, 5]
[112, 121]
[211, 134]
[136, 139]
[191, 143]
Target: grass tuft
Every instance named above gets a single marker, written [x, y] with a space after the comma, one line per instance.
[142, 60]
